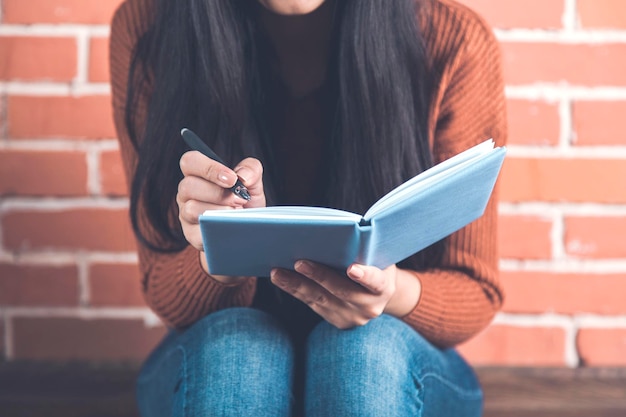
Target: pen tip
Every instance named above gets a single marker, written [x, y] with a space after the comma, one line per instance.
[183, 130]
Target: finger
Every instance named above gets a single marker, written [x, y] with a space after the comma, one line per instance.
[371, 278]
[193, 163]
[332, 280]
[305, 290]
[196, 188]
[192, 209]
[250, 172]
[336, 312]
[194, 237]
[365, 303]
[287, 280]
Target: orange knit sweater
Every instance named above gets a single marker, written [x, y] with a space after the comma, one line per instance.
[460, 297]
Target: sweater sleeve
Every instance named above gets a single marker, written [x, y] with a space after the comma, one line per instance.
[174, 284]
[461, 297]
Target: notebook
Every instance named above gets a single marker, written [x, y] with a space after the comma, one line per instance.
[414, 215]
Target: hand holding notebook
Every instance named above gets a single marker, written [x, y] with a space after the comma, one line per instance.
[423, 210]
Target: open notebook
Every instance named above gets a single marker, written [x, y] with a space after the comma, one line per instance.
[419, 212]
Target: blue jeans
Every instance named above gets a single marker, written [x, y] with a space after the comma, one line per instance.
[240, 362]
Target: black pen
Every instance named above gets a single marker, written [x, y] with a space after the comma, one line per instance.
[197, 144]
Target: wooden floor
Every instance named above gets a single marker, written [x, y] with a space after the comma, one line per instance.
[558, 392]
[79, 390]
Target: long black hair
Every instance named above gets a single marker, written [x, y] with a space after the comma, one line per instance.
[204, 65]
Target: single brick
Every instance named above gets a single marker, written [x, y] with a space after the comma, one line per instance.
[563, 180]
[43, 173]
[602, 347]
[605, 14]
[582, 64]
[88, 117]
[531, 292]
[35, 58]
[599, 123]
[532, 14]
[38, 285]
[524, 237]
[516, 346]
[59, 11]
[596, 237]
[95, 229]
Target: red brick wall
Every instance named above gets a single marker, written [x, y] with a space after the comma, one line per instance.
[68, 278]
[563, 214]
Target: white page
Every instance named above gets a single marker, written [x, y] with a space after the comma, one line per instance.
[286, 212]
[440, 170]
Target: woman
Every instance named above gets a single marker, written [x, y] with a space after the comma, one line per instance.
[316, 102]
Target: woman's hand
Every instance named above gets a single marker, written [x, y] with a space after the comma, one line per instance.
[205, 186]
[353, 299]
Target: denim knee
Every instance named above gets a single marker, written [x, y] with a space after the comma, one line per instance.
[386, 368]
[229, 328]
[384, 337]
[229, 363]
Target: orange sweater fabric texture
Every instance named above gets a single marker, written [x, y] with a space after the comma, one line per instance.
[461, 296]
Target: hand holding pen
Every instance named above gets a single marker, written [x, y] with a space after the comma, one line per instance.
[208, 184]
[195, 143]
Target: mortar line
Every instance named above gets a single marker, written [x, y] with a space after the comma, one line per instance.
[51, 144]
[64, 258]
[557, 237]
[83, 281]
[554, 92]
[570, 15]
[94, 183]
[566, 120]
[82, 58]
[8, 338]
[572, 358]
[565, 266]
[86, 313]
[563, 37]
[54, 30]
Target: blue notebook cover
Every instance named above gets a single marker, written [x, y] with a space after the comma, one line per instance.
[416, 214]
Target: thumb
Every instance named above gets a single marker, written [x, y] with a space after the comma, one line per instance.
[370, 277]
[250, 171]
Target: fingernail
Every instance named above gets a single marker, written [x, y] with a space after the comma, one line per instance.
[225, 177]
[356, 272]
[243, 173]
[276, 277]
[303, 267]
